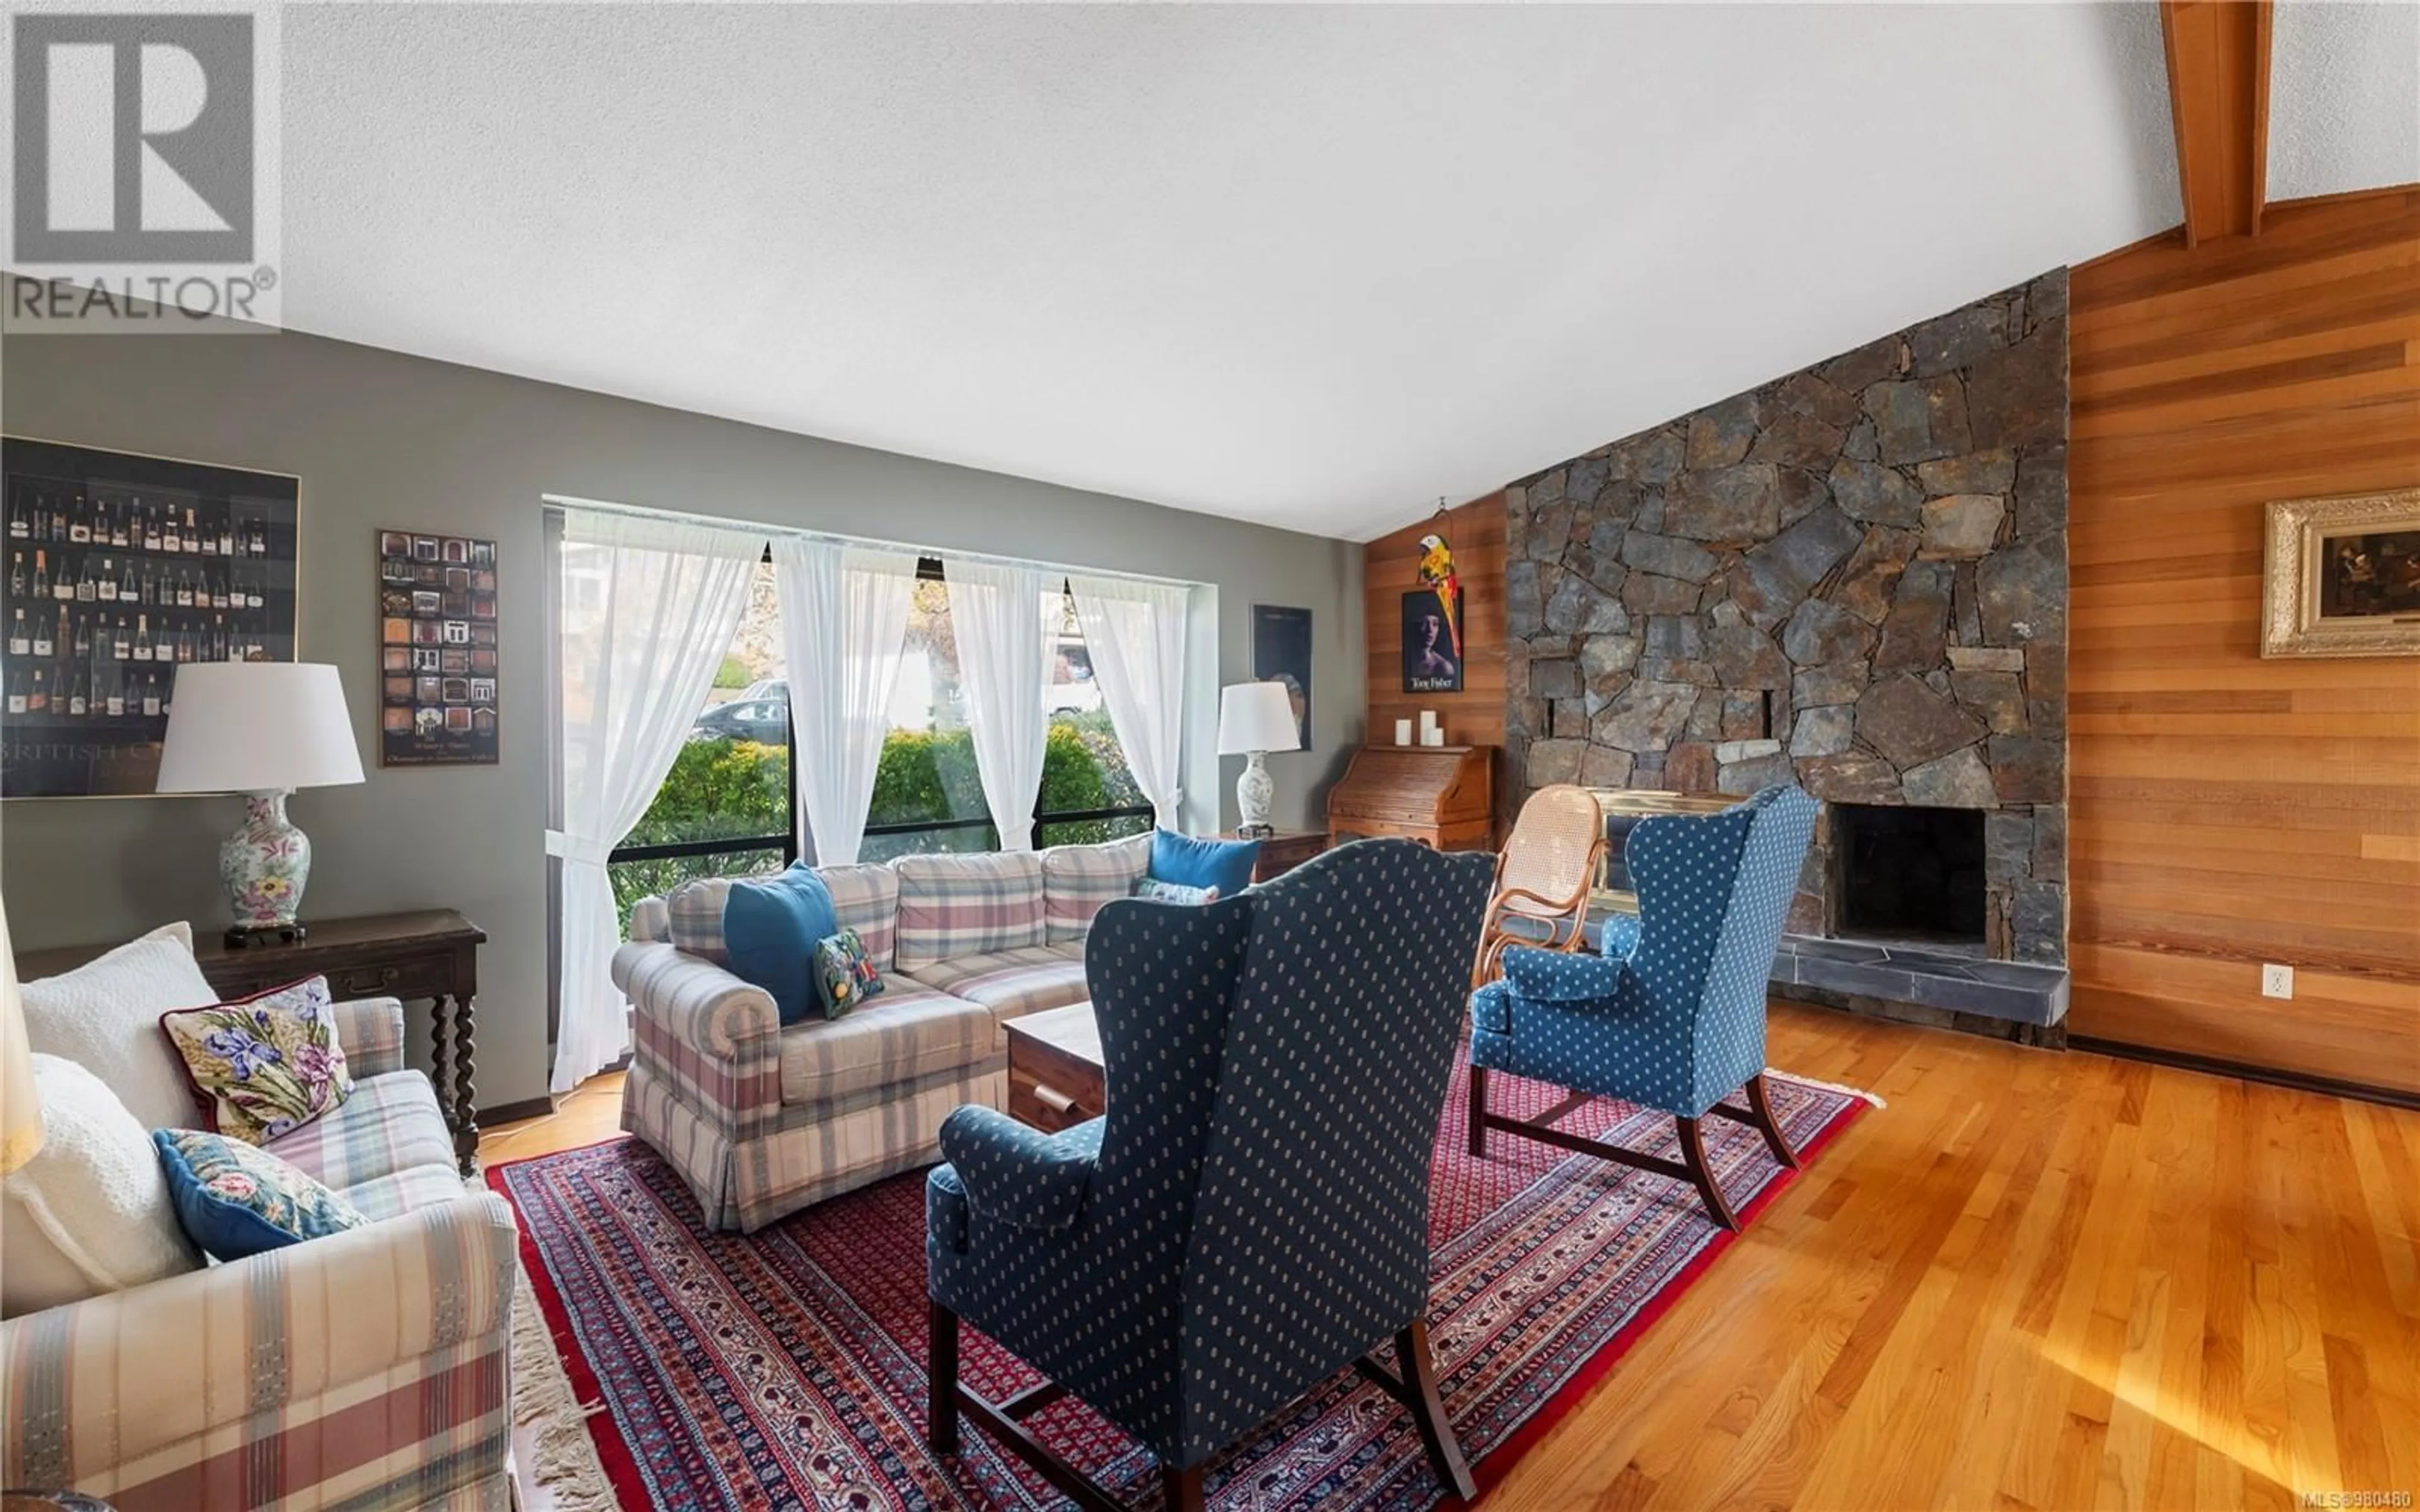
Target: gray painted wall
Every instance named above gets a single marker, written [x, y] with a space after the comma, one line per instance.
[385, 439]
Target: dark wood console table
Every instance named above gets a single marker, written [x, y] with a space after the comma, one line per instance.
[1282, 851]
[432, 954]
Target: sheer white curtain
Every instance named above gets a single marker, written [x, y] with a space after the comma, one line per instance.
[1136, 634]
[668, 595]
[998, 612]
[844, 624]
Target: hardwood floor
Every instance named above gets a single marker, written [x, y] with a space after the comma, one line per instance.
[2037, 1279]
[592, 1112]
[2034, 1280]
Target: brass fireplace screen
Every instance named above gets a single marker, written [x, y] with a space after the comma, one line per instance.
[1624, 808]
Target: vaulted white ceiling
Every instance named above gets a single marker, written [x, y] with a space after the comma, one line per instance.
[1312, 265]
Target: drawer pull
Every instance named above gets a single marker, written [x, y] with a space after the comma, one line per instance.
[362, 982]
[1051, 1098]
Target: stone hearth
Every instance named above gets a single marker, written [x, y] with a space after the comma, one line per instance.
[1855, 578]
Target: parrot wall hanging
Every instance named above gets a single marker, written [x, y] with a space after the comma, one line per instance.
[1432, 618]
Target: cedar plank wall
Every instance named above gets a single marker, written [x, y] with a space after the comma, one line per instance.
[2228, 810]
[1475, 715]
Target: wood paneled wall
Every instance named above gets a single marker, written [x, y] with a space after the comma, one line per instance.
[1475, 715]
[2228, 810]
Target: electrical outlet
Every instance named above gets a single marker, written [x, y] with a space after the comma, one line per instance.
[2277, 981]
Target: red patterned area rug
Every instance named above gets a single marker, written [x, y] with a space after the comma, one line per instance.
[786, 1368]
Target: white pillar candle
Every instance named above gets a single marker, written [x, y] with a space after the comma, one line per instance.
[1403, 732]
[1428, 726]
[1433, 737]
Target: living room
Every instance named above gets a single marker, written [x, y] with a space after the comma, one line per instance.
[1753, 665]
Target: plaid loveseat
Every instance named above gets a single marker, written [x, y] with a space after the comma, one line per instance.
[762, 1120]
[369, 1370]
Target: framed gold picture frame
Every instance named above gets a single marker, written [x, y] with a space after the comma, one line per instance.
[2342, 577]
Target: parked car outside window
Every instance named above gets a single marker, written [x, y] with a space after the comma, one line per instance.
[765, 721]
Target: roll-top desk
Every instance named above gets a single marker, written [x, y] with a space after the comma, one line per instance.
[1442, 796]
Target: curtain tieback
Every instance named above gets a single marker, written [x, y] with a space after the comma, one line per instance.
[576, 849]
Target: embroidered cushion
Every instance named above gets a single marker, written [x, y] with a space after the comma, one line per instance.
[1154, 890]
[844, 974]
[90, 1212]
[967, 905]
[101, 1016]
[1203, 861]
[1077, 879]
[771, 926]
[265, 1065]
[236, 1200]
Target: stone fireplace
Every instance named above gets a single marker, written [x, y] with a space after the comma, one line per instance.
[1854, 577]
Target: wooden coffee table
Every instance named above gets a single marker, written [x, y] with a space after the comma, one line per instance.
[1054, 1068]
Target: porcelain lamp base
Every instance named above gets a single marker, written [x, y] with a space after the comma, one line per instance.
[263, 867]
[1254, 791]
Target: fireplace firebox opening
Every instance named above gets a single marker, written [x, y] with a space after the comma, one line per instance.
[1908, 873]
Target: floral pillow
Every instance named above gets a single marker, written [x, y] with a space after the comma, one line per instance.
[235, 1201]
[265, 1065]
[844, 973]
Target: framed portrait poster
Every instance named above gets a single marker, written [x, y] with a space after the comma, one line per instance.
[437, 650]
[1281, 654]
[1432, 639]
[121, 569]
[2342, 577]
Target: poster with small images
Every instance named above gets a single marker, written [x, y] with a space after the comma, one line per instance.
[123, 568]
[437, 650]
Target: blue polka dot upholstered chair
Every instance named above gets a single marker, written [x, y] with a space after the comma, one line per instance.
[1250, 1216]
[1671, 1015]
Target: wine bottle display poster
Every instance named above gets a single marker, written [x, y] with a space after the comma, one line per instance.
[437, 650]
[121, 569]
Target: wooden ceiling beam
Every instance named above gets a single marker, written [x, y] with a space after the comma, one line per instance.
[2218, 89]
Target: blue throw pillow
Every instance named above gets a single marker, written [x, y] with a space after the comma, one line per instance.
[1224, 864]
[771, 926]
[235, 1199]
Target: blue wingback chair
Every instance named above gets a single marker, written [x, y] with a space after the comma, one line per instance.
[1671, 1014]
[1250, 1216]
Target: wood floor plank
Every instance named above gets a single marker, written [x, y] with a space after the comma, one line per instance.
[2311, 1440]
[1899, 1416]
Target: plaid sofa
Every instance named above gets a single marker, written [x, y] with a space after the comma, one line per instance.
[369, 1370]
[762, 1120]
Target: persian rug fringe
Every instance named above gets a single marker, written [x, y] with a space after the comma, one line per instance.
[1870, 1099]
[550, 1421]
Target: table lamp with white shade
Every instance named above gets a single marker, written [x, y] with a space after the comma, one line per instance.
[261, 729]
[1255, 718]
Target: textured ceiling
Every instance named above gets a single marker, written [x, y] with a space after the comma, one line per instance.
[1308, 266]
[2344, 97]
